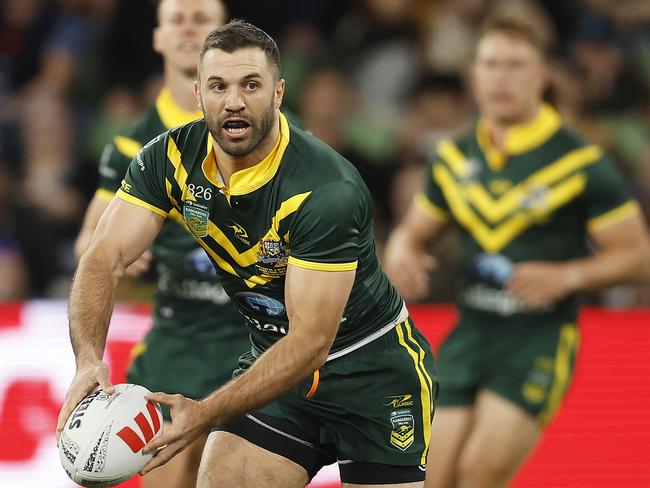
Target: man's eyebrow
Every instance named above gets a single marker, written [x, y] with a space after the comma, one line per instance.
[247, 77]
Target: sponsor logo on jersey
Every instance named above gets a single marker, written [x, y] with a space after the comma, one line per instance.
[256, 302]
[240, 232]
[196, 219]
[398, 401]
[403, 433]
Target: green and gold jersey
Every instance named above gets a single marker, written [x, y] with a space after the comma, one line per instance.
[304, 205]
[189, 296]
[536, 201]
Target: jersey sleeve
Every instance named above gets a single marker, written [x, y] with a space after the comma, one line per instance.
[325, 234]
[114, 162]
[607, 197]
[144, 182]
[432, 200]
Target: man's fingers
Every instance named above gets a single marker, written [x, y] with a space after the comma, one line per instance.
[162, 456]
[160, 397]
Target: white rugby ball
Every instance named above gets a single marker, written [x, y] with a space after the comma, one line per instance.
[101, 443]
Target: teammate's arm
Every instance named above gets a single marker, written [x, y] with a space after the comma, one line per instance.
[407, 258]
[123, 233]
[315, 302]
[96, 209]
[622, 255]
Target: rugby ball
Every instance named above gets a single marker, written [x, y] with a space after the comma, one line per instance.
[101, 443]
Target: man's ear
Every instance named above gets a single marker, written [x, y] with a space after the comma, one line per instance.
[279, 92]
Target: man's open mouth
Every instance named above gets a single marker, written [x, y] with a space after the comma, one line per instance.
[235, 126]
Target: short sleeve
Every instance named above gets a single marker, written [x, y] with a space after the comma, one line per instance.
[144, 182]
[115, 160]
[325, 234]
[607, 197]
[431, 200]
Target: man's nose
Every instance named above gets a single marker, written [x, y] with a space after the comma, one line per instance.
[234, 101]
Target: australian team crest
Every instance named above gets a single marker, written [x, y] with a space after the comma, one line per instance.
[272, 258]
[403, 432]
[196, 219]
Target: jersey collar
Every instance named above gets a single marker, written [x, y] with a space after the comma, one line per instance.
[171, 115]
[520, 138]
[250, 179]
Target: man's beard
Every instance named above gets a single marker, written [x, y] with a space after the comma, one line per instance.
[259, 128]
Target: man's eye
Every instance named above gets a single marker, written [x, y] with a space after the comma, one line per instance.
[251, 85]
[218, 86]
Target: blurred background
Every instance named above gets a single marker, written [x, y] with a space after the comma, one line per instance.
[382, 81]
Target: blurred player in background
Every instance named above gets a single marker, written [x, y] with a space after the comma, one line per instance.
[525, 193]
[197, 333]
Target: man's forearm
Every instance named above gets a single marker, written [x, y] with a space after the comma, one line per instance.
[282, 366]
[608, 268]
[91, 304]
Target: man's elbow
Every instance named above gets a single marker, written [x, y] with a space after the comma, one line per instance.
[98, 257]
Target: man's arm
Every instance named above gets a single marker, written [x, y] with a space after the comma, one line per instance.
[315, 302]
[123, 233]
[96, 209]
[407, 258]
[622, 255]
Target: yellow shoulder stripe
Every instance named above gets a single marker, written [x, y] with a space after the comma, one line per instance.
[301, 263]
[613, 216]
[103, 194]
[127, 146]
[449, 152]
[140, 203]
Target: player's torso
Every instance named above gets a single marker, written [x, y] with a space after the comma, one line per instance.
[529, 209]
[247, 234]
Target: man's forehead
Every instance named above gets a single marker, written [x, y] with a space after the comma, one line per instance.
[502, 44]
[237, 63]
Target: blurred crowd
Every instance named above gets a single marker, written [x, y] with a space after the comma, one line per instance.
[381, 81]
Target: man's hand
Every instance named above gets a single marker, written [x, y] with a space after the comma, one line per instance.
[409, 270]
[140, 265]
[538, 284]
[188, 423]
[89, 375]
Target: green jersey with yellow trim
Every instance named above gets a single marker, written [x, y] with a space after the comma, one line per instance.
[189, 293]
[303, 205]
[538, 207]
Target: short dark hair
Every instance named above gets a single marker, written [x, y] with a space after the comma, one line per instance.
[239, 34]
[516, 27]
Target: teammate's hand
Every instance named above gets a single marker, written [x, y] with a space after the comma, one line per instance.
[538, 284]
[89, 375]
[408, 269]
[189, 421]
[140, 265]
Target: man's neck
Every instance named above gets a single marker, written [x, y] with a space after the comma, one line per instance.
[181, 89]
[498, 128]
[228, 164]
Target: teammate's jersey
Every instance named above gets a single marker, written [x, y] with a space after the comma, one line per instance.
[303, 205]
[535, 202]
[189, 296]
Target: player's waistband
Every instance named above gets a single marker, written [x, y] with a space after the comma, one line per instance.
[401, 317]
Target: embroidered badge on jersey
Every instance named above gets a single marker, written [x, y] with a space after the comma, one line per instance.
[196, 218]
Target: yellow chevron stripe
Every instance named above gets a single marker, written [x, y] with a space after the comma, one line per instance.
[180, 174]
[566, 349]
[493, 240]
[449, 151]
[126, 146]
[425, 393]
[495, 210]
